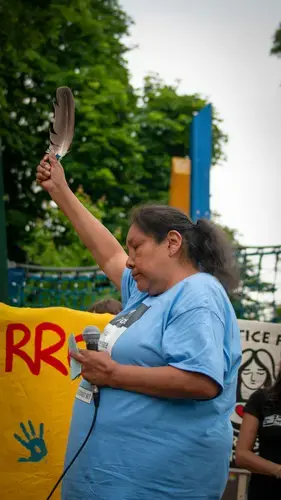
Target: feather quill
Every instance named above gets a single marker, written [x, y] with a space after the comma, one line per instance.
[62, 129]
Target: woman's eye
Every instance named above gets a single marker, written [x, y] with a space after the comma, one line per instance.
[261, 371]
[246, 371]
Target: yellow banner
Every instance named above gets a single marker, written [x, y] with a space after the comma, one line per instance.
[36, 396]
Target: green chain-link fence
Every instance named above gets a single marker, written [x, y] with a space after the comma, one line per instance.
[259, 296]
[77, 288]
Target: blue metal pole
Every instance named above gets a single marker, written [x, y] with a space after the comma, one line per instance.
[201, 159]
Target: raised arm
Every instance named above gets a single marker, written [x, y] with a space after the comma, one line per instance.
[106, 250]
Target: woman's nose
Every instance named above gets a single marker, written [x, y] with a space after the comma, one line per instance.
[130, 263]
[253, 377]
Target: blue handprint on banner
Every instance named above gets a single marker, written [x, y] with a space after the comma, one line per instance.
[33, 443]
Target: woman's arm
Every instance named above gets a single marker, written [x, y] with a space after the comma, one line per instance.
[105, 249]
[163, 382]
[245, 457]
[192, 350]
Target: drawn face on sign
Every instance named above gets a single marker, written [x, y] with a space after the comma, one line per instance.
[254, 376]
[257, 370]
[261, 343]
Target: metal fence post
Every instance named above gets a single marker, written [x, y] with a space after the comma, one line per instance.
[3, 240]
[242, 487]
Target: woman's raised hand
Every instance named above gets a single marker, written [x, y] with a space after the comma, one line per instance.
[50, 174]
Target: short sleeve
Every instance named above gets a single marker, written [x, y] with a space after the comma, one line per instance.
[194, 341]
[255, 404]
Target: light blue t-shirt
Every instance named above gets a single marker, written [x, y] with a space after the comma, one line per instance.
[149, 448]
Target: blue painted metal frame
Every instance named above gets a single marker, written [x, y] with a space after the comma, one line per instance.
[201, 159]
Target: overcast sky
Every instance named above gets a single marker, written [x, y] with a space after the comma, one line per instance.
[220, 48]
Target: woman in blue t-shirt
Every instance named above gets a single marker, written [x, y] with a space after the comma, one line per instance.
[168, 364]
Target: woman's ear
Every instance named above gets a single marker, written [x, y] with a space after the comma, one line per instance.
[174, 242]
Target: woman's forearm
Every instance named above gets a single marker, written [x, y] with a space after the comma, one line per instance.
[165, 382]
[249, 460]
[106, 250]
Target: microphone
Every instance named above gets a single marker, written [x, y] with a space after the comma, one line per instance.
[91, 336]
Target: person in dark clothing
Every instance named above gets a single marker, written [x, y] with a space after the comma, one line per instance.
[262, 420]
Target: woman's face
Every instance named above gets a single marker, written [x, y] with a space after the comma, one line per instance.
[148, 260]
[253, 376]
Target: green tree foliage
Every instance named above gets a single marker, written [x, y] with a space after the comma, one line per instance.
[53, 241]
[276, 46]
[124, 139]
[254, 299]
[45, 45]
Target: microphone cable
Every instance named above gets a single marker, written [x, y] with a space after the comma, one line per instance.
[96, 397]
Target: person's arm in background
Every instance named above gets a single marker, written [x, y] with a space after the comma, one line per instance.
[245, 457]
[106, 250]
